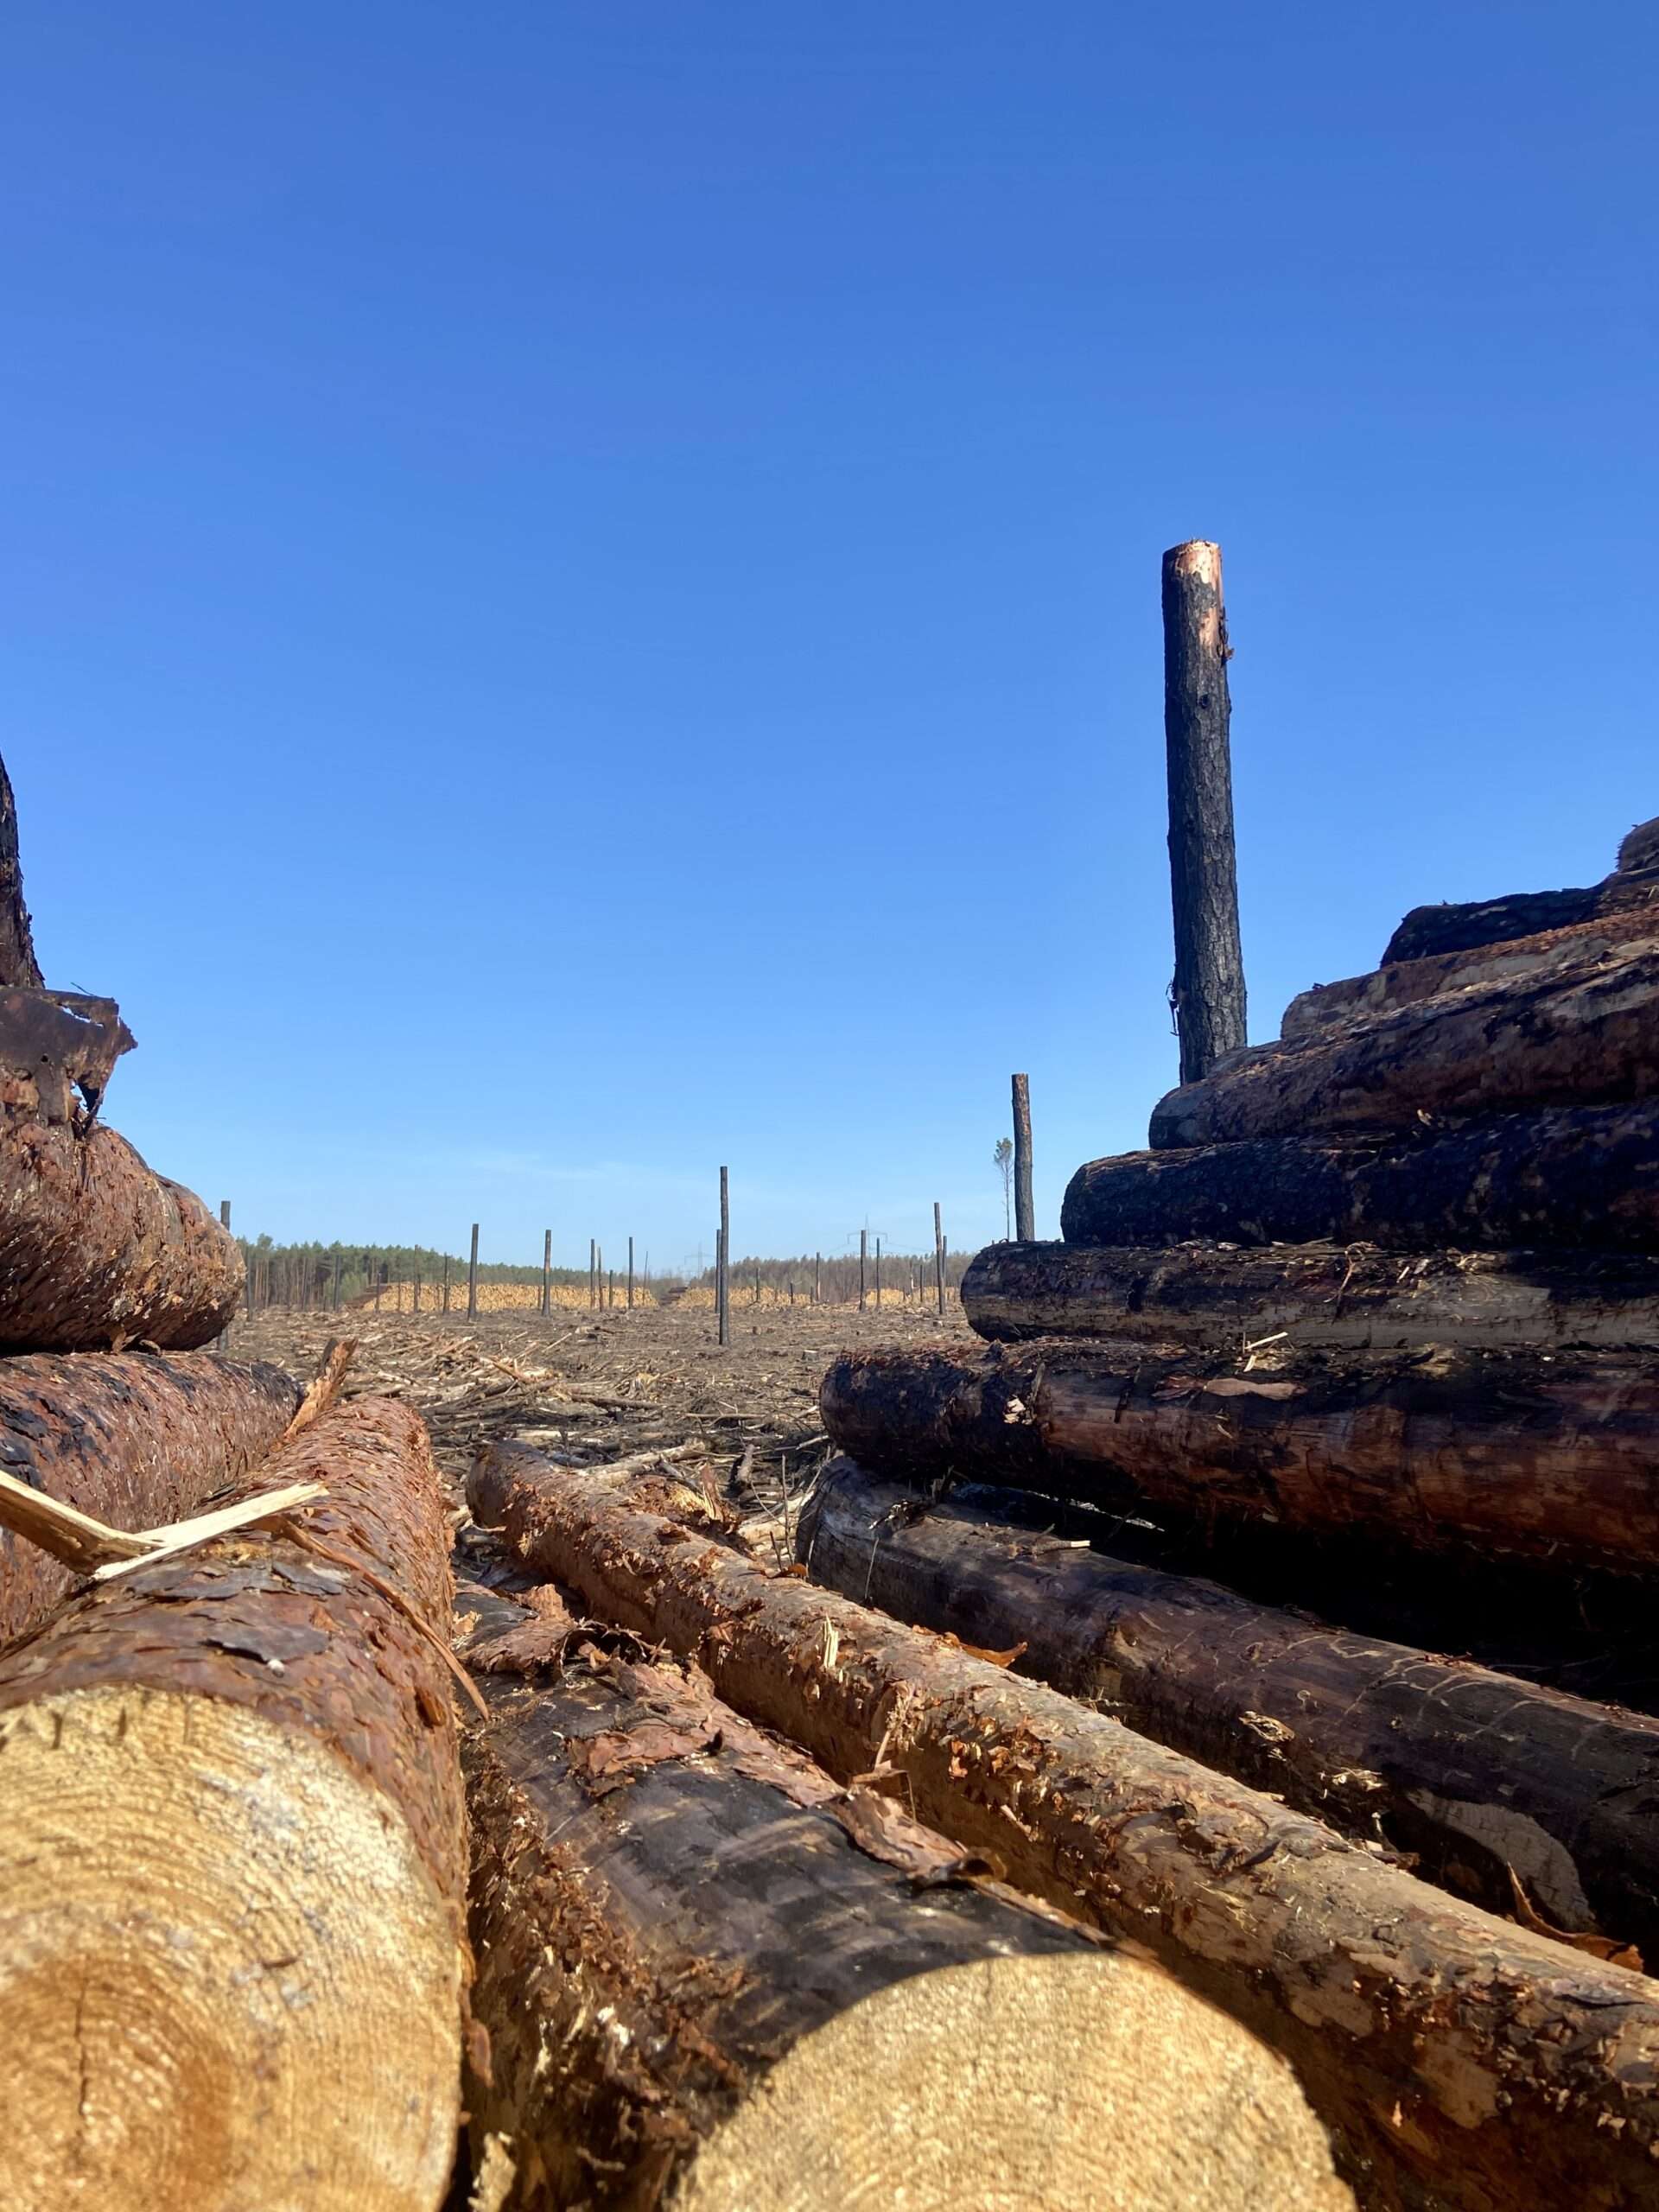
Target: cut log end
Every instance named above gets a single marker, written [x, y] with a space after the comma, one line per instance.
[1061, 2081]
[225, 1971]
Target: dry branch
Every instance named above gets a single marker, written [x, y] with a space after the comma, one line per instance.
[232, 1863]
[129, 1439]
[1458, 2059]
[711, 1975]
[1478, 1774]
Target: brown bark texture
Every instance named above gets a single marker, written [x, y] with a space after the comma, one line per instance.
[1579, 1176]
[1553, 1457]
[18, 966]
[1457, 2060]
[96, 1252]
[1640, 850]
[199, 2022]
[1587, 1036]
[1472, 1773]
[1352, 1295]
[1520, 960]
[135, 1438]
[1428, 931]
[710, 1974]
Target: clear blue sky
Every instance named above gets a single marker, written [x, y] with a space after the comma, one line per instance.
[580, 582]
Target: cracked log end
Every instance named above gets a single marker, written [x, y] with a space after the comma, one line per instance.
[1063, 2081]
[225, 1973]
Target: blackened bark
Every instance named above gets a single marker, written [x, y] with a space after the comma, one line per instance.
[18, 967]
[1208, 987]
[1024, 1213]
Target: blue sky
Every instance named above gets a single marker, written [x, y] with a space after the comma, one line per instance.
[580, 585]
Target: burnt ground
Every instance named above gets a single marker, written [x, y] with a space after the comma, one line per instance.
[606, 1384]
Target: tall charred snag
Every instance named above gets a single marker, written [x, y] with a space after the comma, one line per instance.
[135, 1438]
[1478, 1774]
[711, 1975]
[96, 1252]
[1352, 1295]
[1587, 1035]
[1577, 1176]
[1456, 2059]
[232, 1862]
[1547, 1458]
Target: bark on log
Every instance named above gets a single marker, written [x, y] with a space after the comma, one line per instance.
[1588, 1036]
[1579, 1176]
[232, 1862]
[1460, 2061]
[710, 1974]
[1553, 1457]
[1471, 1772]
[1430, 929]
[1528, 959]
[18, 966]
[1356, 1295]
[96, 1252]
[1640, 850]
[135, 1438]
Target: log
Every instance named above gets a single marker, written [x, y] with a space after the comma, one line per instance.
[711, 1975]
[97, 1253]
[1207, 995]
[1457, 2060]
[1430, 929]
[1575, 1176]
[1547, 1457]
[1352, 1295]
[1527, 959]
[18, 966]
[1639, 853]
[1474, 1775]
[135, 1438]
[232, 1862]
[1587, 1036]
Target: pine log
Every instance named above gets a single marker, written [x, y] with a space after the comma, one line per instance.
[1354, 1295]
[97, 1253]
[1430, 929]
[18, 966]
[1474, 1774]
[1588, 1036]
[135, 1438]
[232, 1862]
[1551, 1457]
[1458, 2061]
[711, 1975]
[1640, 851]
[1528, 959]
[1579, 1176]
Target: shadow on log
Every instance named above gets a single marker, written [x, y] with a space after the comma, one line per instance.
[710, 1974]
[232, 1862]
[1472, 1772]
[1457, 2060]
[1579, 1176]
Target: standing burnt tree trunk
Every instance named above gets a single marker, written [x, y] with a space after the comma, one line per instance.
[1025, 1213]
[1208, 993]
[19, 970]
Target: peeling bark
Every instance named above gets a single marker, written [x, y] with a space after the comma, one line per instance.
[710, 1974]
[1352, 1295]
[1457, 2060]
[1579, 1176]
[135, 1438]
[1587, 1036]
[1546, 1458]
[232, 1860]
[1469, 1773]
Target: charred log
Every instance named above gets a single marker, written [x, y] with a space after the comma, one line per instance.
[1551, 1458]
[1428, 931]
[18, 966]
[1352, 1295]
[1482, 1778]
[135, 1438]
[1458, 2059]
[1579, 1176]
[709, 1973]
[1587, 1036]
[232, 1861]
